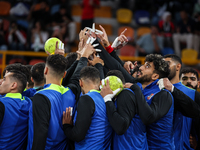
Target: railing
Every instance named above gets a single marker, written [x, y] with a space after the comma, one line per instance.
[43, 54]
[18, 53]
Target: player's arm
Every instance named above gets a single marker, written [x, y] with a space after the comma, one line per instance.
[2, 111]
[100, 68]
[85, 110]
[88, 49]
[112, 64]
[41, 116]
[185, 104]
[114, 55]
[197, 97]
[69, 73]
[74, 80]
[160, 105]
[120, 117]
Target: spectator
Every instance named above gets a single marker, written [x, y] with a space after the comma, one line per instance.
[3, 45]
[150, 43]
[39, 37]
[197, 32]
[16, 37]
[39, 11]
[184, 32]
[196, 10]
[166, 26]
[56, 4]
[88, 12]
[64, 27]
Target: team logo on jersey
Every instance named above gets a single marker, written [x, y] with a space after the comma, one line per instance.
[150, 96]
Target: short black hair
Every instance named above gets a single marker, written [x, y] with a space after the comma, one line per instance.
[90, 73]
[160, 65]
[189, 70]
[174, 57]
[57, 63]
[20, 78]
[17, 67]
[37, 72]
[116, 73]
[71, 58]
[30, 83]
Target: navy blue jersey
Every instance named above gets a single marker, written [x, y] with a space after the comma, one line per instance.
[14, 127]
[60, 98]
[134, 137]
[182, 124]
[159, 133]
[99, 133]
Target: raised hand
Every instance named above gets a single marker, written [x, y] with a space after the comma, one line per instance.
[103, 37]
[88, 50]
[84, 35]
[60, 48]
[96, 60]
[80, 49]
[120, 41]
[107, 93]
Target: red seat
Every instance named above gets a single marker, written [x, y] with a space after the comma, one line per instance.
[4, 8]
[127, 50]
[35, 61]
[17, 60]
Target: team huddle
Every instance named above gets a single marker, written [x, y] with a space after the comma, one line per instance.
[71, 107]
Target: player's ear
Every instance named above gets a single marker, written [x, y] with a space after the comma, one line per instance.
[64, 74]
[81, 83]
[198, 84]
[178, 67]
[155, 76]
[13, 86]
[46, 70]
[32, 80]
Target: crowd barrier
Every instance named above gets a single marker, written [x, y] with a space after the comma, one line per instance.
[4, 55]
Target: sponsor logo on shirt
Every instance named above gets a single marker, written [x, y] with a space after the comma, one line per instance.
[150, 96]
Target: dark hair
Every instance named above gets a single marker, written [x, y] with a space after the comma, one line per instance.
[30, 83]
[57, 63]
[17, 67]
[174, 58]
[161, 66]
[116, 73]
[42, 25]
[20, 78]
[90, 73]
[37, 72]
[71, 58]
[190, 70]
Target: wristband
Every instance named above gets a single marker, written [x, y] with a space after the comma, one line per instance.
[109, 49]
[107, 98]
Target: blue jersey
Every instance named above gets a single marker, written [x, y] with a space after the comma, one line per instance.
[134, 137]
[159, 133]
[29, 93]
[182, 124]
[60, 98]
[14, 127]
[99, 133]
